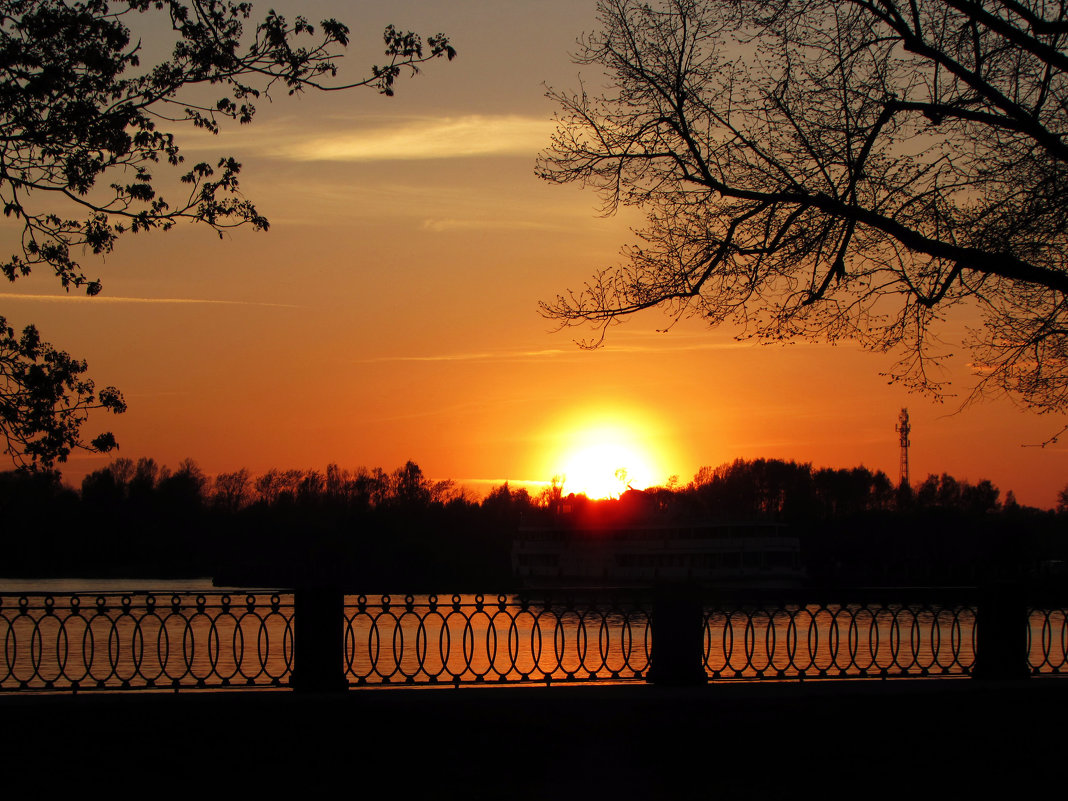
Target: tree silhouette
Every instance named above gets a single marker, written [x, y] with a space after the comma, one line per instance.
[824, 169]
[148, 520]
[44, 400]
[82, 136]
[231, 491]
[410, 487]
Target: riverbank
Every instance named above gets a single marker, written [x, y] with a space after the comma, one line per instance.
[902, 738]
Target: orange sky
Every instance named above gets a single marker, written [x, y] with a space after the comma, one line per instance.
[391, 311]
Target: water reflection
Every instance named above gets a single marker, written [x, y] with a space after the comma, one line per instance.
[470, 639]
[214, 639]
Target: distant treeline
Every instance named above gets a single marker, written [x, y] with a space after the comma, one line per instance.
[788, 491]
[856, 526]
[400, 531]
[742, 489]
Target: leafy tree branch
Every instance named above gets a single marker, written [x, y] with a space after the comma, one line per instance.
[83, 131]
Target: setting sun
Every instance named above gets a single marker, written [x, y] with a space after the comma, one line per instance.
[602, 459]
[603, 471]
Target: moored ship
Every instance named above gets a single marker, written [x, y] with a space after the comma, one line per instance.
[633, 550]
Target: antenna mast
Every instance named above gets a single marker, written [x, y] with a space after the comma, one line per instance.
[903, 428]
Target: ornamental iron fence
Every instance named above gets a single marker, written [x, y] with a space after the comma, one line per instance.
[472, 639]
[127, 641]
[324, 640]
[1047, 641]
[818, 641]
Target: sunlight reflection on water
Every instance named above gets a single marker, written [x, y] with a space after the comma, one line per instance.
[450, 639]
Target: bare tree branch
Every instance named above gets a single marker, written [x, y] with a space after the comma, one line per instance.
[821, 169]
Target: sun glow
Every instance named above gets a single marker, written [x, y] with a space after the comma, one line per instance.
[604, 459]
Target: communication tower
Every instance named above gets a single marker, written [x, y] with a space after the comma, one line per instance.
[903, 428]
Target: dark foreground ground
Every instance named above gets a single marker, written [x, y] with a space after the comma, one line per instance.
[945, 739]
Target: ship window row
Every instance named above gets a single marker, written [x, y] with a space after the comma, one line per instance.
[680, 533]
[722, 560]
[538, 560]
[714, 561]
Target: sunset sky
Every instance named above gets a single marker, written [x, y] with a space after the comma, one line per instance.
[390, 313]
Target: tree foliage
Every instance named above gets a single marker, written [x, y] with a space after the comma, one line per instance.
[44, 399]
[828, 170]
[377, 527]
[84, 128]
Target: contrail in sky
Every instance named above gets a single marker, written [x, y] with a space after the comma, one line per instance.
[553, 352]
[466, 357]
[425, 138]
[110, 299]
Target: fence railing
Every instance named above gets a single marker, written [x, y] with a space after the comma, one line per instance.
[1047, 641]
[790, 641]
[472, 639]
[138, 640]
[325, 640]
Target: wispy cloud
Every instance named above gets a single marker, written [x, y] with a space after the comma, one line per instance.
[425, 138]
[5, 296]
[467, 357]
[441, 225]
[677, 348]
[553, 353]
[433, 411]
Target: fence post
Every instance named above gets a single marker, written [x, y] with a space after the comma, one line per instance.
[319, 640]
[678, 624]
[1001, 623]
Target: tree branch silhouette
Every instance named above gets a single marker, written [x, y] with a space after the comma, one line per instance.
[826, 170]
[80, 139]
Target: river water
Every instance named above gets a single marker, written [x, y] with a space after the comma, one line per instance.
[188, 636]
